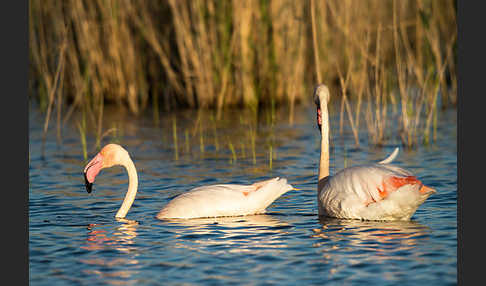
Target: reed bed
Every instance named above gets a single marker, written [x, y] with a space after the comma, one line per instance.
[220, 54]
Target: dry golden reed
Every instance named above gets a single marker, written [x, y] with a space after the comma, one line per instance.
[216, 54]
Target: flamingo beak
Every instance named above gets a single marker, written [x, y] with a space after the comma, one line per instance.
[88, 184]
[91, 171]
[319, 118]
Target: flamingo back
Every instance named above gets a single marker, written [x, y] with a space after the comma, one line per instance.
[225, 200]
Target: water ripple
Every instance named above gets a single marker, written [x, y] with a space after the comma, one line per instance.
[75, 240]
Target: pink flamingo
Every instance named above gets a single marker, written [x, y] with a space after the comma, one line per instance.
[206, 201]
[376, 191]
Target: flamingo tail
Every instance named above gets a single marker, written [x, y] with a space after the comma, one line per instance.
[390, 158]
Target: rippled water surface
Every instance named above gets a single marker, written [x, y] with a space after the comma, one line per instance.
[74, 238]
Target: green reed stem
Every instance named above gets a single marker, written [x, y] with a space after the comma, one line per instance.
[84, 146]
[243, 154]
[270, 163]
[215, 135]
[186, 133]
[201, 141]
[174, 136]
[233, 153]
[252, 142]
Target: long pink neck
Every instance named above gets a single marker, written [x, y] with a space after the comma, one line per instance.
[132, 189]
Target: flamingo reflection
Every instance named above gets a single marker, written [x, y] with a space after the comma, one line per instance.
[406, 233]
[350, 242]
[249, 234]
[121, 240]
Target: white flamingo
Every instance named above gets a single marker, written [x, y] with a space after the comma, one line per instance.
[206, 201]
[376, 191]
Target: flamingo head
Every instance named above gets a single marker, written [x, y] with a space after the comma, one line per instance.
[110, 155]
[321, 94]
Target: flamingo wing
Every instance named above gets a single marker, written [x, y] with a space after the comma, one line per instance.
[375, 191]
[225, 200]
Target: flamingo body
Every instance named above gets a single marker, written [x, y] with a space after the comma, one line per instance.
[206, 201]
[225, 200]
[372, 192]
[377, 191]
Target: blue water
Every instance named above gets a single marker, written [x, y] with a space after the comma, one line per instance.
[74, 238]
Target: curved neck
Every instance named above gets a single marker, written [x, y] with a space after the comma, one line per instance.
[324, 160]
[132, 188]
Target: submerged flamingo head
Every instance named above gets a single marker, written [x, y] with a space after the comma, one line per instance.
[321, 94]
[111, 154]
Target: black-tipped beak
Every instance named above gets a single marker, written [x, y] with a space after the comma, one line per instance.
[88, 184]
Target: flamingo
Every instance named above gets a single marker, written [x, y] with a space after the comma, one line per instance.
[205, 201]
[376, 191]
